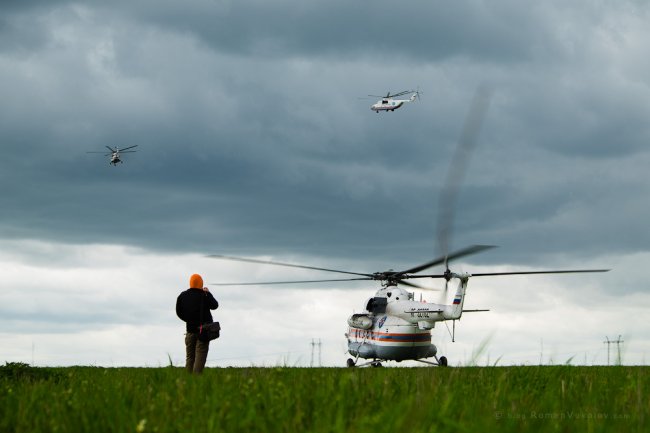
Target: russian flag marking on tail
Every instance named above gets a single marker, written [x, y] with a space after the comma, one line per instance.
[457, 300]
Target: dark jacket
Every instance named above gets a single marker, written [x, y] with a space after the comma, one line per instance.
[188, 308]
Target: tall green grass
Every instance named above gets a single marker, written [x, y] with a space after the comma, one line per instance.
[472, 399]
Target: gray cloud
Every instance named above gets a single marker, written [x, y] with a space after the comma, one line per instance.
[252, 139]
[343, 30]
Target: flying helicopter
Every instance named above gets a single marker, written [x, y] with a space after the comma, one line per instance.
[393, 325]
[115, 153]
[388, 103]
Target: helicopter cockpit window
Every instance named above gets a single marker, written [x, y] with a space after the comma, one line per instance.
[377, 305]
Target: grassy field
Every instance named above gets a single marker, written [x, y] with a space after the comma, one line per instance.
[471, 399]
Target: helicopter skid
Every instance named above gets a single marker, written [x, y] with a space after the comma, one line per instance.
[440, 362]
[373, 363]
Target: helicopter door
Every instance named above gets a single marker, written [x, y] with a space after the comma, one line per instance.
[377, 305]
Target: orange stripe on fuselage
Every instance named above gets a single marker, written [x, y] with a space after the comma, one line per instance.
[391, 337]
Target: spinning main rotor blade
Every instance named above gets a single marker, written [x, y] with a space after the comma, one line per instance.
[128, 151]
[265, 283]
[570, 271]
[401, 93]
[444, 259]
[265, 262]
[130, 147]
[389, 95]
[112, 150]
[458, 167]
[496, 274]
[289, 282]
[417, 286]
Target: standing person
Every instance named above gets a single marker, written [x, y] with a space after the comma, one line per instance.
[193, 307]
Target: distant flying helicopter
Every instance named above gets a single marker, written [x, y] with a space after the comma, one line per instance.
[115, 153]
[387, 103]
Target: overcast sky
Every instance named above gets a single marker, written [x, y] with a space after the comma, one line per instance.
[253, 141]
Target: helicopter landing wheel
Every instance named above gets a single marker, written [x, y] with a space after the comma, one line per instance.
[351, 362]
[376, 364]
[442, 362]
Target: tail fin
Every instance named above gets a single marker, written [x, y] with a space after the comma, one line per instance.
[455, 310]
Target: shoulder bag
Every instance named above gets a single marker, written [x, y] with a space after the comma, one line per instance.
[208, 331]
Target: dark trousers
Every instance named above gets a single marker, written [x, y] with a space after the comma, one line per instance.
[196, 353]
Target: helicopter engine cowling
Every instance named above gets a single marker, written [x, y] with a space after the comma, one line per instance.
[360, 321]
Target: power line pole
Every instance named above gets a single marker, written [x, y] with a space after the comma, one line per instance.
[618, 342]
[313, 345]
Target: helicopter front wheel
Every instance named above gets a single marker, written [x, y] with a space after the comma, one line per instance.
[442, 362]
[351, 362]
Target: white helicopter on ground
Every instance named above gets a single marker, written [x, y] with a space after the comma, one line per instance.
[115, 153]
[394, 326]
[387, 103]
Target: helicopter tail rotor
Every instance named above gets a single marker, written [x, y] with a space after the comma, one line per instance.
[447, 277]
[416, 95]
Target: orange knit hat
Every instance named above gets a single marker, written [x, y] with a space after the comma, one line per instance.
[196, 282]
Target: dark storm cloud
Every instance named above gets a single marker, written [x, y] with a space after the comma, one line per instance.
[389, 30]
[252, 139]
[420, 30]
